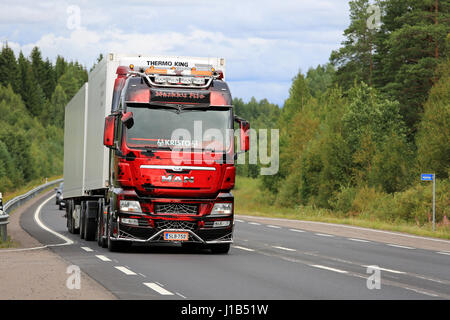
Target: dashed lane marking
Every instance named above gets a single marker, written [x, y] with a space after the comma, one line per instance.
[323, 235]
[358, 240]
[328, 268]
[128, 272]
[283, 248]
[103, 258]
[384, 269]
[87, 249]
[158, 288]
[243, 248]
[399, 246]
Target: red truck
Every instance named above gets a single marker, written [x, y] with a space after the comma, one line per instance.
[162, 167]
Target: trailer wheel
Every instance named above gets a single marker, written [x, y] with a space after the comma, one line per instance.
[221, 248]
[75, 230]
[90, 212]
[82, 218]
[69, 216]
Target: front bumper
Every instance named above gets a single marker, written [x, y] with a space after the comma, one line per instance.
[156, 234]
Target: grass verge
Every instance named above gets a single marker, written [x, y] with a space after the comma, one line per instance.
[249, 200]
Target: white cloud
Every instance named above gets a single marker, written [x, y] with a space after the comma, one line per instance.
[265, 43]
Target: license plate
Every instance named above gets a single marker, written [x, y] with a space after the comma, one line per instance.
[176, 236]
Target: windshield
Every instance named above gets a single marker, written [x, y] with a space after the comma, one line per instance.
[167, 128]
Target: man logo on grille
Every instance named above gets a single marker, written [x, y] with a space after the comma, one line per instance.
[172, 178]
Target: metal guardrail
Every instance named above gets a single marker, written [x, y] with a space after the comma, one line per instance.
[16, 202]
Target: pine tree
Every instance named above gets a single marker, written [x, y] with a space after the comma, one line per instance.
[413, 44]
[9, 69]
[354, 60]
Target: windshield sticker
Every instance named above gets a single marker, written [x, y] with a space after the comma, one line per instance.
[201, 96]
[177, 143]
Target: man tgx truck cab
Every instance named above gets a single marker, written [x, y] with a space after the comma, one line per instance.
[170, 153]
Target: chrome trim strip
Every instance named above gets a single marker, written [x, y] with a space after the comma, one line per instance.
[177, 168]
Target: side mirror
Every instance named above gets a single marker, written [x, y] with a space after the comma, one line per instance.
[245, 138]
[127, 119]
[108, 134]
[244, 133]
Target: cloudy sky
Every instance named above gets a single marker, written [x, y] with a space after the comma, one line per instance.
[264, 42]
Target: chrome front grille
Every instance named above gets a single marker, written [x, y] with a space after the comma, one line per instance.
[176, 208]
[175, 224]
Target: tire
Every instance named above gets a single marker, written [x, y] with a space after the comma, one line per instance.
[101, 230]
[75, 230]
[90, 225]
[69, 216]
[221, 248]
[60, 207]
[113, 246]
[82, 218]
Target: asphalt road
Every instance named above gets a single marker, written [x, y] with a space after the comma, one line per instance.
[265, 262]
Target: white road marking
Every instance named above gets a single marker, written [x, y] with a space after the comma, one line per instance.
[103, 258]
[359, 240]
[421, 292]
[323, 235]
[384, 269]
[351, 227]
[399, 246]
[158, 288]
[128, 272]
[283, 248]
[272, 226]
[444, 252]
[237, 220]
[179, 294]
[243, 248]
[37, 219]
[296, 230]
[328, 268]
[87, 249]
[255, 223]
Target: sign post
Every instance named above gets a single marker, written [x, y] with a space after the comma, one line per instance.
[431, 177]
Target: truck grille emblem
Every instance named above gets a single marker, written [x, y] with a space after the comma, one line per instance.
[172, 178]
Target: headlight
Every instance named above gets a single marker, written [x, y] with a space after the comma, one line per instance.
[222, 208]
[130, 206]
[134, 222]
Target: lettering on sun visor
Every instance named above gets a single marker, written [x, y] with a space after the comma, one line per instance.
[177, 143]
[179, 96]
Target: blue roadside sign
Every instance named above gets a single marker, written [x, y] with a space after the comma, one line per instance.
[426, 177]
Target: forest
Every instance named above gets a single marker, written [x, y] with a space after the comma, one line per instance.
[355, 132]
[33, 94]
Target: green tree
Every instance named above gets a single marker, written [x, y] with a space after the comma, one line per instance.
[354, 60]
[433, 138]
[9, 69]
